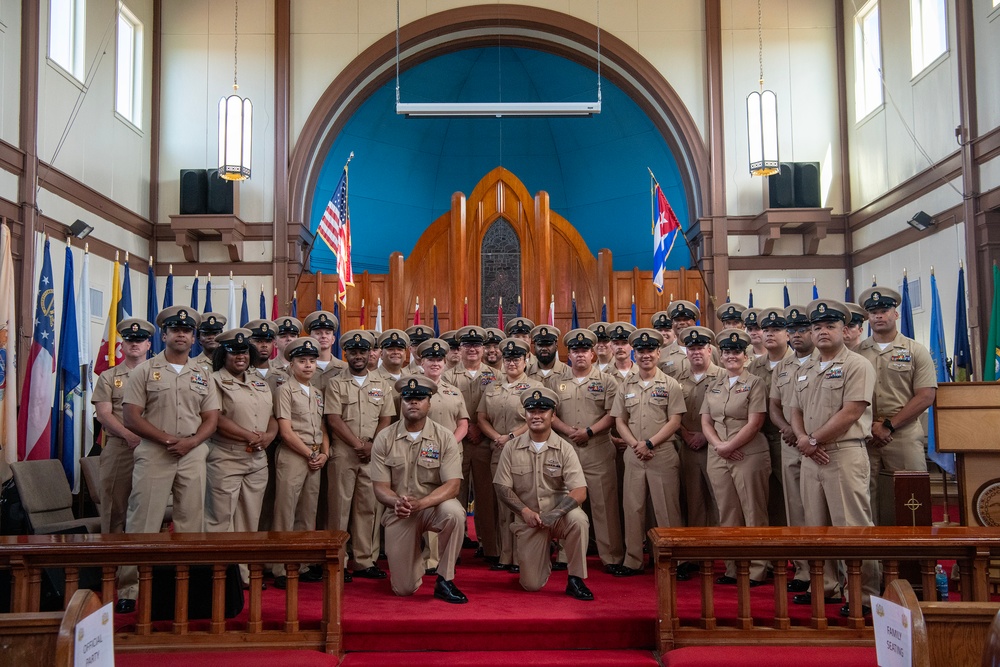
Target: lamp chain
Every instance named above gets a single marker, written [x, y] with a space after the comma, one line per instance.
[760, 44]
[236, 39]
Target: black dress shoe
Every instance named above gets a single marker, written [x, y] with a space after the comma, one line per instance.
[373, 572]
[479, 552]
[514, 568]
[754, 583]
[798, 586]
[559, 566]
[313, 574]
[281, 583]
[625, 571]
[496, 567]
[125, 606]
[347, 577]
[726, 581]
[614, 569]
[448, 591]
[431, 570]
[845, 611]
[807, 598]
[686, 570]
[575, 588]
[469, 543]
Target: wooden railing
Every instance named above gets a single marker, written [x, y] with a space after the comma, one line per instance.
[27, 556]
[971, 547]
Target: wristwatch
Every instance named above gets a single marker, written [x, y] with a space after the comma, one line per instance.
[813, 442]
[649, 444]
[590, 432]
[888, 424]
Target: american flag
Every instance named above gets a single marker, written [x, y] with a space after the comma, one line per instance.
[335, 229]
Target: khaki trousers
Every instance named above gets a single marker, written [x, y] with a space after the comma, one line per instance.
[836, 494]
[533, 548]
[296, 492]
[236, 482]
[791, 470]
[116, 485]
[775, 492]
[905, 452]
[659, 480]
[402, 544]
[351, 504]
[598, 462]
[476, 461]
[702, 509]
[505, 518]
[741, 490]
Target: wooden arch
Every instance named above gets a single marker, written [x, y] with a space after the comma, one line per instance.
[446, 263]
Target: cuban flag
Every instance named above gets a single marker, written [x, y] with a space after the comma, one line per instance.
[665, 230]
[34, 424]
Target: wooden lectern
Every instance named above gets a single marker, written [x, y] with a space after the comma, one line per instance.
[967, 422]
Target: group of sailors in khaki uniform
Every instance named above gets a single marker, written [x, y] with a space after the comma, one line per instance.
[784, 416]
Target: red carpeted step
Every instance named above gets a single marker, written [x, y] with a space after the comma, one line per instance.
[255, 658]
[489, 658]
[772, 656]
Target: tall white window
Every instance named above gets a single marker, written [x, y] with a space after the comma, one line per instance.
[128, 80]
[867, 60]
[928, 32]
[67, 26]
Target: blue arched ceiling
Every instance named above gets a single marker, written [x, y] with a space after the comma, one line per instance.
[405, 170]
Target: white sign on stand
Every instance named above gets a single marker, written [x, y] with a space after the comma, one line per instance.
[893, 633]
[95, 639]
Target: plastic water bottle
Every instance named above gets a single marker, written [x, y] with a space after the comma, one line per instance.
[941, 582]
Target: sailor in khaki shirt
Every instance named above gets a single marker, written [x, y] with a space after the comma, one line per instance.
[358, 406]
[212, 324]
[905, 386]
[694, 380]
[738, 459]
[304, 449]
[472, 377]
[771, 322]
[673, 360]
[417, 334]
[783, 379]
[116, 456]
[540, 479]
[648, 411]
[264, 337]
[416, 469]
[547, 365]
[584, 419]
[170, 404]
[323, 326]
[831, 417]
[392, 345]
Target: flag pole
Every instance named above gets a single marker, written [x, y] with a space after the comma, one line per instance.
[687, 244]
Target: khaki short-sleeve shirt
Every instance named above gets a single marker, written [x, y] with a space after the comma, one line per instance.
[673, 360]
[761, 367]
[694, 394]
[359, 406]
[303, 410]
[730, 406]
[247, 402]
[900, 369]
[448, 406]
[783, 383]
[171, 401]
[502, 403]
[549, 379]
[821, 392]
[415, 467]
[471, 386]
[582, 403]
[540, 479]
[110, 388]
[647, 409]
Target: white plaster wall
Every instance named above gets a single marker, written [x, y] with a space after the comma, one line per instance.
[220, 292]
[10, 69]
[768, 286]
[932, 203]
[100, 148]
[943, 251]
[197, 73]
[800, 66]
[986, 26]
[8, 185]
[915, 126]
[66, 212]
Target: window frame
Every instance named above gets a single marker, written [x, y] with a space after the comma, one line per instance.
[133, 78]
[864, 71]
[920, 58]
[72, 30]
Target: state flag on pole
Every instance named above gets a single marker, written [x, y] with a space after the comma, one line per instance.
[66, 443]
[416, 313]
[8, 350]
[552, 310]
[938, 351]
[152, 309]
[666, 227]
[34, 422]
[962, 356]
[244, 309]
[991, 365]
[109, 343]
[86, 360]
[232, 315]
[500, 314]
[378, 317]
[437, 325]
[335, 230]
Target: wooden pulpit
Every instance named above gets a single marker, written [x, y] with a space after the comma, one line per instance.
[967, 423]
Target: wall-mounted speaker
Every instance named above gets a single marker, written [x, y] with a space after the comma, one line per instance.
[796, 185]
[220, 194]
[193, 192]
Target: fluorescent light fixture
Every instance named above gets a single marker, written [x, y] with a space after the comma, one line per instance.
[496, 109]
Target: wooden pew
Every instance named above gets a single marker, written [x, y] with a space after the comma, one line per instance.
[945, 633]
[45, 638]
[27, 555]
[971, 547]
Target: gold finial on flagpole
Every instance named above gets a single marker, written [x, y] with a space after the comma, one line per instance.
[932, 269]
[69, 241]
[86, 248]
[126, 256]
[500, 302]
[362, 303]
[116, 256]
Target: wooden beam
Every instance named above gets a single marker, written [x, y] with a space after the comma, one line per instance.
[281, 235]
[28, 185]
[906, 236]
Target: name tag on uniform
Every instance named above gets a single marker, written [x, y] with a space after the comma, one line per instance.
[668, 363]
[834, 373]
[629, 395]
[803, 378]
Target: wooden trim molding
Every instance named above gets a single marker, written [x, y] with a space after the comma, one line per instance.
[787, 262]
[81, 194]
[11, 158]
[944, 220]
[282, 103]
[551, 31]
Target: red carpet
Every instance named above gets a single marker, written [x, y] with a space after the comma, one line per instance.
[228, 659]
[770, 656]
[519, 658]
